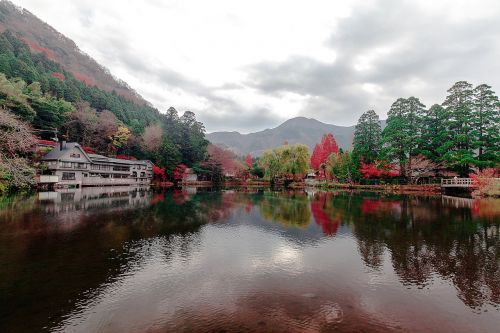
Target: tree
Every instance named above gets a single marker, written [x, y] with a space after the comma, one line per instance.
[120, 137]
[249, 161]
[486, 126]
[152, 137]
[423, 167]
[400, 136]
[458, 148]
[322, 151]
[367, 137]
[341, 167]
[168, 156]
[16, 136]
[433, 133]
[285, 162]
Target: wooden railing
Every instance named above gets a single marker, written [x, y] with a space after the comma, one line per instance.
[456, 182]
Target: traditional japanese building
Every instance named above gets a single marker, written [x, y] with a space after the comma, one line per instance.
[69, 165]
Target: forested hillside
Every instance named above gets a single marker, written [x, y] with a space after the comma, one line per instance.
[42, 38]
[43, 94]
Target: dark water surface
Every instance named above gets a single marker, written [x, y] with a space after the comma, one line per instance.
[123, 260]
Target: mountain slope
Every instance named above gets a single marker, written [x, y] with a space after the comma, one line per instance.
[296, 130]
[42, 38]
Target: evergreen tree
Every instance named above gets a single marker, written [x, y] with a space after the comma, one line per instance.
[367, 137]
[400, 137]
[458, 150]
[485, 123]
[433, 133]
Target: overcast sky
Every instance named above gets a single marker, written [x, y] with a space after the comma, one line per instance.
[249, 65]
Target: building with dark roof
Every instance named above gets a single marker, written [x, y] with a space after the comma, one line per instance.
[74, 167]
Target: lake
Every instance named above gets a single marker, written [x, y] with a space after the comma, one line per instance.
[191, 260]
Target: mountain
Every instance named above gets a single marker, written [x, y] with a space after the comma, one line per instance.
[303, 130]
[42, 38]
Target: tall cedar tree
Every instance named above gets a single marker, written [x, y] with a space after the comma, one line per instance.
[402, 131]
[367, 137]
[486, 126]
[459, 145]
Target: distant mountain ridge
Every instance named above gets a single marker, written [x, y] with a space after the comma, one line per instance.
[42, 38]
[303, 130]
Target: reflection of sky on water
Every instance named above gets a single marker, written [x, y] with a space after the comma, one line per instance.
[387, 265]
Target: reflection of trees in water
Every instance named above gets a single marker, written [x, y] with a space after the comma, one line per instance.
[287, 208]
[324, 212]
[424, 236]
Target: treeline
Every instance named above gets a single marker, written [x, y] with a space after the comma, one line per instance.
[458, 137]
[40, 92]
[460, 134]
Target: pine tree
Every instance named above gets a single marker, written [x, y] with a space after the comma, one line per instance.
[433, 133]
[485, 123]
[367, 137]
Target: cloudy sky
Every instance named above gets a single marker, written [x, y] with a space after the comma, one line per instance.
[249, 65]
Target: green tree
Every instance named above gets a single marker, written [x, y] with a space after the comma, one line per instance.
[458, 148]
[400, 136]
[433, 133]
[485, 126]
[367, 136]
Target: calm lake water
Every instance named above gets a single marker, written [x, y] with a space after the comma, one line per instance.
[125, 260]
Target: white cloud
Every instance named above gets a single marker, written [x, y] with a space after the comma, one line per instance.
[187, 53]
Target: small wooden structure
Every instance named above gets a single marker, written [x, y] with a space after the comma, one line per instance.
[457, 182]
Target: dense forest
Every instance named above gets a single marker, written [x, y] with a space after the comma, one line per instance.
[56, 104]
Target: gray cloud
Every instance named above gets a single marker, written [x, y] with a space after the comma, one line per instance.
[426, 54]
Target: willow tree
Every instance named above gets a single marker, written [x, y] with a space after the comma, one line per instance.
[285, 162]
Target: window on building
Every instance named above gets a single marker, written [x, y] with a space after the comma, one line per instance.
[66, 164]
[68, 176]
[75, 155]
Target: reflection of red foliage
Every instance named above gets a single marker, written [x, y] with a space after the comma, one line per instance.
[486, 208]
[88, 150]
[372, 206]
[159, 197]
[369, 206]
[56, 75]
[322, 218]
[180, 197]
[248, 207]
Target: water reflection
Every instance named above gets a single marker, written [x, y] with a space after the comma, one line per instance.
[130, 260]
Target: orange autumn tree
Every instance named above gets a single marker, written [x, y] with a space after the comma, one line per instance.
[322, 151]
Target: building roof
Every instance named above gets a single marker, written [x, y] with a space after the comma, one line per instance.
[57, 153]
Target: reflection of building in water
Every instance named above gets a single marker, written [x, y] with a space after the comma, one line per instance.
[96, 197]
[457, 202]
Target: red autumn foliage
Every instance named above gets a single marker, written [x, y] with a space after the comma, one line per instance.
[47, 142]
[84, 78]
[377, 170]
[322, 150]
[88, 150]
[179, 171]
[158, 197]
[485, 182]
[126, 157]
[37, 48]
[249, 160]
[58, 76]
[159, 173]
